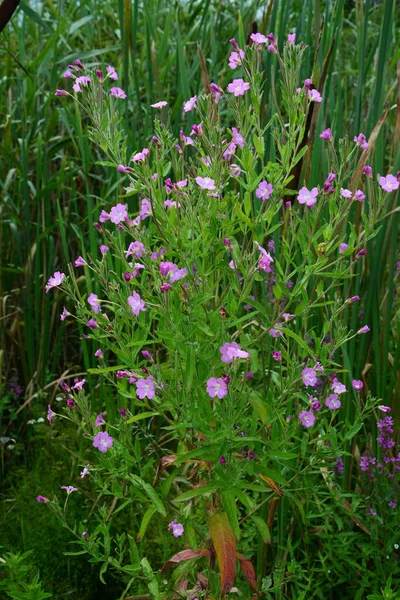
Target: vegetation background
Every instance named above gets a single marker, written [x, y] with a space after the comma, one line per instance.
[52, 190]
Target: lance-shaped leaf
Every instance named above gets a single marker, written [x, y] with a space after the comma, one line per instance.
[248, 570]
[224, 543]
[185, 555]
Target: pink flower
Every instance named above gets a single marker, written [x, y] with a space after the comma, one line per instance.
[264, 190]
[123, 169]
[80, 262]
[59, 93]
[55, 280]
[217, 388]
[176, 528]
[367, 170]
[64, 314]
[68, 75]
[314, 96]
[79, 384]
[238, 87]
[307, 418]
[190, 104]
[135, 249]
[309, 377]
[343, 247]
[216, 91]
[50, 414]
[326, 134]
[103, 441]
[258, 38]
[235, 59]
[359, 195]
[145, 209]
[308, 197]
[166, 267]
[338, 387]
[276, 355]
[99, 421]
[291, 39]
[94, 303]
[265, 261]
[160, 104]
[84, 472]
[364, 329]
[206, 183]
[99, 353]
[384, 408]
[104, 216]
[118, 213]
[104, 249]
[272, 48]
[177, 274]
[145, 388]
[389, 183]
[69, 489]
[231, 350]
[238, 139]
[345, 193]
[118, 93]
[333, 402]
[361, 141]
[136, 304]
[357, 384]
[112, 73]
[41, 499]
[140, 156]
[93, 324]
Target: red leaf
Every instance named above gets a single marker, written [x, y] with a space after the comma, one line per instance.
[184, 555]
[248, 570]
[224, 542]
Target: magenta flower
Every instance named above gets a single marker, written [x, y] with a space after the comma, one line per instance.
[50, 414]
[41, 499]
[190, 104]
[135, 249]
[389, 183]
[265, 261]
[206, 183]
[99, 353]
[216, 388]
[84, 472]
[231, 350]
[343, 247]
[314, 96]
[78, 384]
[145, 388]
[333, 402]
[93, 324]
[238, 139]
[326, 134]
[104, 249]
[118, 213]
[80, 262]
[309, 377]
[364, 329]
[69, 489]
[176, 528]
[177, 274]
[145, 209]
[235, 59]
[258, 38]
[276, 355]
[384, 408]
[357, 385]
[264, 190]
[124, 169]
[94, 303]
[103, 441]
[353, 299]
[112, 73]
[55, 280]
[345, 193]
[61, 93]
[140, 156]
[118, 93]
[338, 387]
[307, 418]
[308, 197]
[361, 141]
[367, 170]
[291, 39]
[64, 314]
[136, 304]
[238, 87]
[99, 421]
[359, 195]
[160, 104]
[104, 216]
[216, 91]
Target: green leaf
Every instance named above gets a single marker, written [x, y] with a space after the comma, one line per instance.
[150, 492]
[140, 416]
[263, 529]
[196, 492]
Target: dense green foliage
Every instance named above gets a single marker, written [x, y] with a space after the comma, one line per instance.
[53, 191]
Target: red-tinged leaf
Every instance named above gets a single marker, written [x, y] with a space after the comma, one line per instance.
[248, 570]
[224, 543]
[184, 555]
[271, 483]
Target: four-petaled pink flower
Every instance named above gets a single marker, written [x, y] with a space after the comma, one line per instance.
[160, 104]
[389, 183]
[309, 377]
[314, 96]
[80, 262]
[206, 183]
[119, 213]
[94, 303]
[190, 104]
[238, 87]
[103, 441]
[326, 134]
[231, 350]
[338, 387]
[69, 489]
[135, 249]
[145, 388]
[140, 156]
[359, 195]
[361, 141]
[264, 190]
[345, 193]
[55, 280]
[216, 387]
[136, 304]
[118, 93]
[176, 528]
[308, 197]
[235, 59]
[258, 38]
[357, 385]
[307, 418]
[333, 402]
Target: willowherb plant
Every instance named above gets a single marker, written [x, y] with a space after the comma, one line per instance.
[218, 309]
